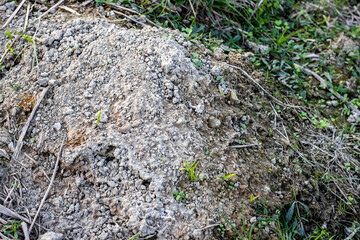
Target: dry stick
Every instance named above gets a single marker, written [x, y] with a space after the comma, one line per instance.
[27, 17]
[6, 211]
[86, 3]
[244, 146]
[25, 128]
[120, 8]
[8, 49]
[3, 236]
[257, 6]
[117, 7]
[210, 226]
[25, 230]
[69, 10]
[13, 14]
[259, 86]
[352, 234]
[323, 82]
[53, 7]
[124, 15]
[50, 185]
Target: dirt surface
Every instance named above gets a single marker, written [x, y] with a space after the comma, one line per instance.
[135, 105]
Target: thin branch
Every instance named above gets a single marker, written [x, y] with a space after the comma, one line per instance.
[27, 17]
[244, 146]
[210, 226]
[53, 7]
[132, 19]
[50, 185]
[25, 230]
[6, 211]
[352, 234]
[25, 128]
[259, 86]
[13, 14]
[323, 82]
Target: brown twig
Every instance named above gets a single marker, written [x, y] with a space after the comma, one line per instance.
[323, 82]
[261, 88]
[13, 14]
[27, 17]
[210, 226]
[244, 146]
[50, 185]
[25, 128]
[8, 49]
[3, 236]
[352, 234]
[25, 230]
[86, 3]
[6, 211]
[120, 8]
[124, 15]
[69, 10]
[53, 7]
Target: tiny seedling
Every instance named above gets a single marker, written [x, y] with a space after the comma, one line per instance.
[209, 153]
[221, 91]
[180, 196]
[15, 87]
[190, 169]
[221, 229]
[12, 229]
[98, 117]
[135, 237]
[221, 79]
[252, 197]
[8, 33]
[224, 177]
[195, 60]
[231, 185]
[303, 115]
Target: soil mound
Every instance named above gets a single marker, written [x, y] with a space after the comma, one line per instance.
[136, 106]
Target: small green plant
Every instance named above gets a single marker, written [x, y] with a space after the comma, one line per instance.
[221, 229]
[135, 237]
[290, 222]
[318, 234]
[231, 185]
[8, 33]
[252, 197]
[209, 153]
[224, 177]
[16, 88]
[12, 229]
[180, 196]
[303, 115]
[98, 117]
[195, 60]
[190, 169]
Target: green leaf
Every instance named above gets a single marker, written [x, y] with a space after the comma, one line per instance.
[290, 213]
[195, 55]
[8, 33]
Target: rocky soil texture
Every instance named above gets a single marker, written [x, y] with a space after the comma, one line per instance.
[135, 105]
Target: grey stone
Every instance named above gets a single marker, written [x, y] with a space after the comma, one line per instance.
[214, 122]
[51, 236]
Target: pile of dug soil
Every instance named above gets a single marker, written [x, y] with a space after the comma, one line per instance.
[135, 106]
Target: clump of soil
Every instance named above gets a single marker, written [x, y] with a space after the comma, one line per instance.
[135, 105]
